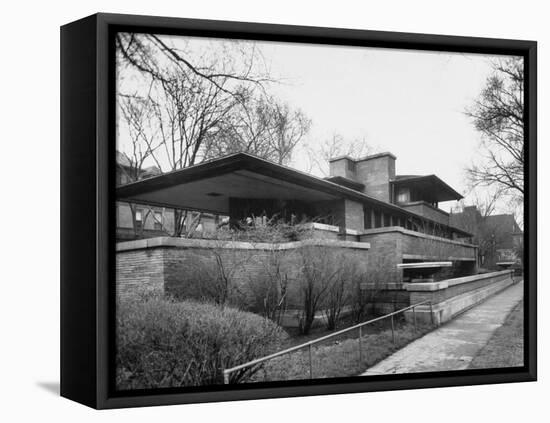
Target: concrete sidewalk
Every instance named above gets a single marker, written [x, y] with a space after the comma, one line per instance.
[453, 345]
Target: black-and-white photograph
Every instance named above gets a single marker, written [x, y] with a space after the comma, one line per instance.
[291, 211]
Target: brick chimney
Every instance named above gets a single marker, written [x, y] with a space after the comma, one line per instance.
[343, 166]
[375, 172]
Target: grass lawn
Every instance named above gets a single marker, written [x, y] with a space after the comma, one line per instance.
[505, 348]
[339, 356]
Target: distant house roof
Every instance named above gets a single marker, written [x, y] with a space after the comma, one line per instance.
[208, 186]
[503, 222]
[433, 188]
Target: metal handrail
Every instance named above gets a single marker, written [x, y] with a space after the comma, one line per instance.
[309, 344]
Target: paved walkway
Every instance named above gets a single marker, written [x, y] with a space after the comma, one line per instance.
[453, 345]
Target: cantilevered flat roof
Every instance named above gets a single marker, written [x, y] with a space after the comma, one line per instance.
[208, 186]
[433, 189]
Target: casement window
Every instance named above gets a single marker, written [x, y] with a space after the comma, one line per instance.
[139, 219]
[403, 195]
[377, 219]
[158, 220]
[367, 218]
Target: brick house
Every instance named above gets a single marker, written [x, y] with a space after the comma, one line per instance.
[362, 200]
[499, 237]
[140, 220]
[364, 216]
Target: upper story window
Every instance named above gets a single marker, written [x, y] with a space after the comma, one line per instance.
[139, 218]
[377, 219]
[367, 218]
[158, 220]
[403, 195]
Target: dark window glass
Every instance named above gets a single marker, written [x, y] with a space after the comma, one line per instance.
[367, 218]
[158, 220]
[377, 219]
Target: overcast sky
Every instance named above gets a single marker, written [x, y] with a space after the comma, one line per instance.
[410, 103]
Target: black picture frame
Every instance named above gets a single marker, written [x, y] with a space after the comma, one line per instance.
[87, 242]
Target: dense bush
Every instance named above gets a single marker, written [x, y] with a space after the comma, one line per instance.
[164, 343]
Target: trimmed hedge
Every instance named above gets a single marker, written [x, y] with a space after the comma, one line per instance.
[164, 343]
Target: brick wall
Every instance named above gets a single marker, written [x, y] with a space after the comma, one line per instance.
[375, 172]
[342, 167]
[174, 265]
[384, 256]
[424, 209]
[456, 286]
[354, 216]
[393, 245]
[139, 270]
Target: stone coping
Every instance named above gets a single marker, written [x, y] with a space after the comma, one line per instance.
[425, 265]
[361, 159]
[239, 245]
[404, 231]
[329, 228]
[426, 257]
[437, 286]
[474, 278]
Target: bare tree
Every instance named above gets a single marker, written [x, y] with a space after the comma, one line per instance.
[243, 130]
[152, 54]
[138, 115]
[202, 103]
[287, 129]
[264, 127]
[323, 281]
[498, 115]
[192, 93]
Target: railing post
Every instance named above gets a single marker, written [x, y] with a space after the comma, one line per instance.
[360, 349]
[225, 377]
[310, 363]
[392, 330]
[432, 312]
[414, 318]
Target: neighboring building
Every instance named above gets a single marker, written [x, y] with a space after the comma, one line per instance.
[139, 220]
[363, 199]
[499, 237]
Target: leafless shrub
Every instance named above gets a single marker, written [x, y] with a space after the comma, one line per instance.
[322, 283]
[269, 289]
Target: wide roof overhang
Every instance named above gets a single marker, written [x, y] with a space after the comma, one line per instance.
[432, 188]
[208, 186]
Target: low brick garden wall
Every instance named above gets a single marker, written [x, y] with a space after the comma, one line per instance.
[453, 296]
[167, 265]
[394, 245]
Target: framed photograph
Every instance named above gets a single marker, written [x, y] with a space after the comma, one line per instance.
[258, 211]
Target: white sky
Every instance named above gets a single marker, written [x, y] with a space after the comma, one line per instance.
[410, 103]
